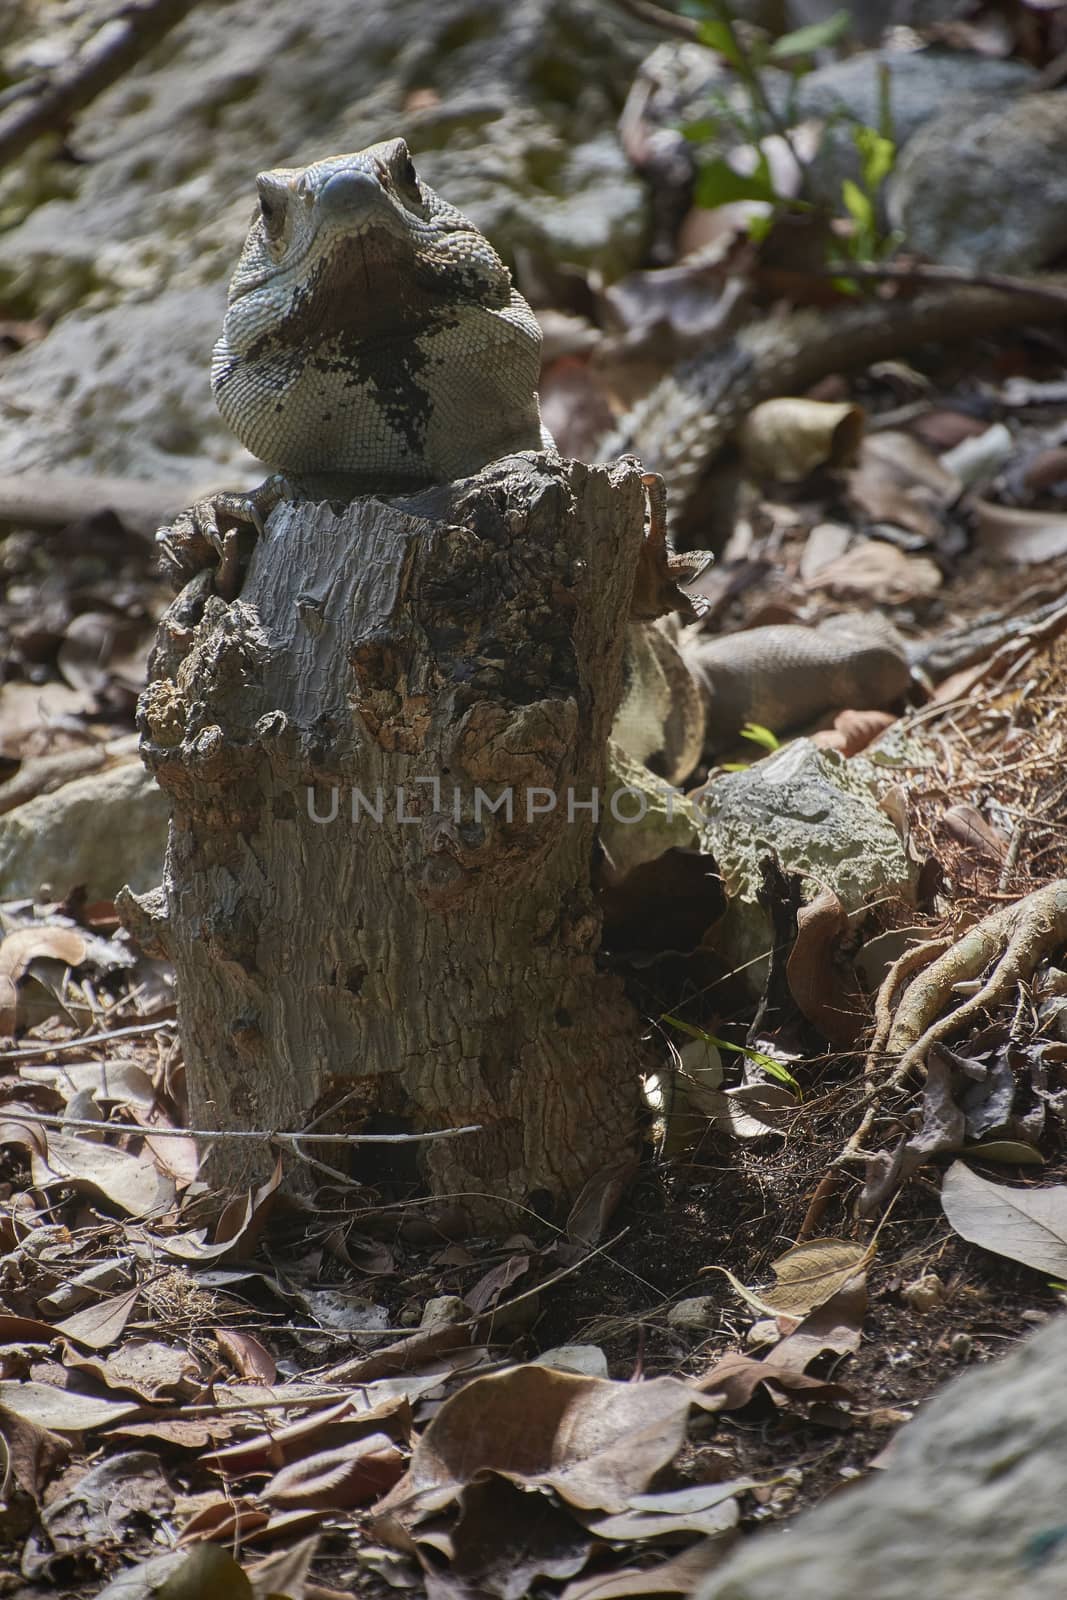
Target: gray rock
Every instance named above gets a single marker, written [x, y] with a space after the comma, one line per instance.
[101, 831]
[819, 814]
[972, 1505]
[986, 187]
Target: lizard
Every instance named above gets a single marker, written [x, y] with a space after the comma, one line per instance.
[374, 342]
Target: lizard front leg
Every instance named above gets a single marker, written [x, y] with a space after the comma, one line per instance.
[210, 533]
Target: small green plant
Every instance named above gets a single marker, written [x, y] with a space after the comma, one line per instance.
[720, 183]
[759, 1058]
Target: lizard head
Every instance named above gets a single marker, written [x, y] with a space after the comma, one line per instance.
[372, 209]
[363, 309]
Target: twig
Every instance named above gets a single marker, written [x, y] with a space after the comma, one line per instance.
[84, 1039]
[933, 272]
[660, 17]
[265, 1136]
[48, 104]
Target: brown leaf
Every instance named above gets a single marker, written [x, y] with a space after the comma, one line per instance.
[100, 1325]
[334, 1427]
[816, 981]
[594, 1441]
[223, 1521]
[966, 824]
[144, 1367]
[836, 1327]
[880, 571]
[787, 439]
[335, 1480]
[487, 1291]
[237, 1231]
[853, 731]
[680, 1574]
[736, 1377]
[247, 1357]
[596, 1204]
[18, 950]
[33, 1453]
[132, 1184]
[25, 1330]
[899, 481]
[812, 1273]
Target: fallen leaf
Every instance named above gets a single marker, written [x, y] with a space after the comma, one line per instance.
[594, 1441]
[836, 1326]
[100, 1325]
[706, 1508]
[735, 1378]
[246, 1355]
[18, 950]
[678, 1575]
[787, 439]
[1004, 533]
[62, 1410]
[881, 571]
[817, 981]
[32, 1453]
[1027, 1225]
[146, 1368]
[812, 1273]
[103, 1507]
[337, 1480]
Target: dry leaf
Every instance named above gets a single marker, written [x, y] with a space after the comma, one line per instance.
[100, 1325]
[788, 439]
[18, 950]
[61, 1410]
[335, 1480]
[247, 1357]
[146, 1368]
[1027, 1225]
[680, 1574]
[816, 981]
[132, 1184]
[595, 1442]
[810, 1274]
[1004, 533]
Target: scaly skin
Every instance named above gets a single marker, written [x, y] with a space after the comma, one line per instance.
[372, 332]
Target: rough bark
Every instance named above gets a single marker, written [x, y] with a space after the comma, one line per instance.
[419, 659]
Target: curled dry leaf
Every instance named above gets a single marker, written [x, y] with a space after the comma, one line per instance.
[788, 439]
[33, 1453]
[335, 1480]
[810, 1274]
[816, 981]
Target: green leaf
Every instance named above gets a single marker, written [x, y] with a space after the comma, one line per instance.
[769, 1065]
[760, 735]
[817, 36]
[703, 129]
[759, 226]
[859, 206]
[718, 185]
[721, 37]
[877, 154]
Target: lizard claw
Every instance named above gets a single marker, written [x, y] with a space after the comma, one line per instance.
[209, 534]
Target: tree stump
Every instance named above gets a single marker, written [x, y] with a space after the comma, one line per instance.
[384, 762]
